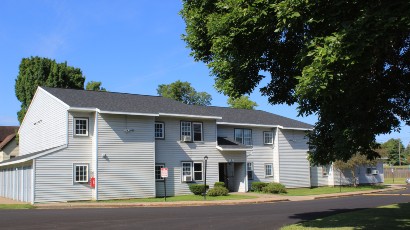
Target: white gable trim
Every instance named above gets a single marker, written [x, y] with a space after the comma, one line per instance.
[34, 156]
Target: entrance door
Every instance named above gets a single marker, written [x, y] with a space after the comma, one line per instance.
[227, 174]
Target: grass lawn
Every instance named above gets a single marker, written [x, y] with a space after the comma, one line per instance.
[385, 217]
[16, 206]
[396, 181]
[328, 190]
[184, 198]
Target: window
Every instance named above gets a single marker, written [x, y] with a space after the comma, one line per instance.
[268, 170]
[198, 171]
[81, 173]
[80, 126]
[158, 168]
[191, 131]
[186, 171]
[249, 169]
[197, 131]
[159, 130]
[243, 136]
[192, 171]
[325, 170]
[267, 138]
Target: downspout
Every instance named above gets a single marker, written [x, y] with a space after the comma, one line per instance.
[96, 153]
[33, 181]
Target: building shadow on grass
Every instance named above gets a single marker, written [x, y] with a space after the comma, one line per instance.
[386, 217]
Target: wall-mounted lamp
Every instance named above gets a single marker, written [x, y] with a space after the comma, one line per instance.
[128, 130]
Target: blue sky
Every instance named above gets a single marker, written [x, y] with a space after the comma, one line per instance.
[131, 46]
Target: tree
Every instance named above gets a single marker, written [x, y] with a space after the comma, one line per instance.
[95, 86]
[37, 71]
[345, 61]
[353, 164]
[242, 102]
[184, 92]
[392, 149]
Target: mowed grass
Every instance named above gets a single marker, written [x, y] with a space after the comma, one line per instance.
[329, 190]
[385, 217]
[16, 206]
[184, 198]
[396, 181]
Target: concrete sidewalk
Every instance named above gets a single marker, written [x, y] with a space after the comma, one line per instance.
[261, 198]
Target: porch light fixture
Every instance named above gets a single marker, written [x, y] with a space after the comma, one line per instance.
[205, 160]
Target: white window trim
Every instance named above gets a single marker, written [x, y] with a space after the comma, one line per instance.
[75, 172]
[162, 166]
[264, 138]
[162, 128]
[202, 171]
[249, 169]
[75, 126]
[271, 169]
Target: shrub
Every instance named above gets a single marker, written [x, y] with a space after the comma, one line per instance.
[218, 191]
[198, 189]
[274, 188]
[258, 186]
[219, 184]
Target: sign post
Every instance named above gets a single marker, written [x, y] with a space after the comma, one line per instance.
[164, 174]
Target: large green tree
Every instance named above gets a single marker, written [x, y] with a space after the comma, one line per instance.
[184, 92]
[392, 148]
[348, 62]
[95, 86]
[242, 102]
[38, 71]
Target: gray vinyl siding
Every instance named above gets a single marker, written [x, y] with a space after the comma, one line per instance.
[173, 152]
[45, 124]
[54, 173]
[318, 179]
[294, 166]
[127, 171]
[365, 178]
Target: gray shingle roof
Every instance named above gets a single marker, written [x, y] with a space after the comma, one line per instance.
[134, 103]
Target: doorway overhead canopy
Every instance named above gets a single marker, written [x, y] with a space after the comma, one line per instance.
[229, 145]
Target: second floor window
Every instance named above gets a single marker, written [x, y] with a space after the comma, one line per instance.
[191, 131]
[159, 130]
[243, 136]
[80, 126]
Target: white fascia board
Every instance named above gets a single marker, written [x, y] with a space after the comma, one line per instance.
[231, 150]
[247, 124]
[34, 156]
[190, 116]
[81, 109]
[128, 113]
[290, 128]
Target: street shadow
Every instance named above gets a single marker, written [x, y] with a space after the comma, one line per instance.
[360, 218]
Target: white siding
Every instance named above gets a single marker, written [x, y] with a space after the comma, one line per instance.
[44, 126]
[172, 152]
[54, 172]
[365, 178]
[294, 166]
[318, 179]
[15, 182]
[127, 171]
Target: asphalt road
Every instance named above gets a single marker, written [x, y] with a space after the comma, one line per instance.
[257, 216]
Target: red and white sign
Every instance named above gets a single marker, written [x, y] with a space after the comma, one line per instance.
[164, 172]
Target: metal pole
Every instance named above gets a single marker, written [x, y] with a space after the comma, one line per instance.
[205, 159]
[399, 152]
[340, 180]
[165, 188]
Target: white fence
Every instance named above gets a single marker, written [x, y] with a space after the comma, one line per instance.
[15, 183]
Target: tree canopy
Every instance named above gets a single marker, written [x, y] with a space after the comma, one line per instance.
[95, 86]
[391, 148]
[242, 102]
[38, 71]
[353, 164]
[348, 62]
[184, 92]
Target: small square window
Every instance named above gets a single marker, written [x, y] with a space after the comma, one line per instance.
[268, 170]
[325, 170]
[159, 130]
[158, 168]
[80, 173]
[80, 126]
[267, 138]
